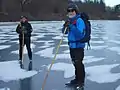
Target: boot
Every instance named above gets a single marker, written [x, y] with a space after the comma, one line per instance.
[72, 83]
[30, 66]
[21, 64]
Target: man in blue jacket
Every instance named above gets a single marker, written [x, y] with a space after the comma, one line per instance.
[76, 31]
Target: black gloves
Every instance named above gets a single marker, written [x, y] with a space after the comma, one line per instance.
[23, 30]
[66, 24]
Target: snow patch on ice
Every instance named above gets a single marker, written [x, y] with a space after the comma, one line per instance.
[118, 88]
[63, 56]
[99, 47]
[114, 41]
[34, 38]
[98, 42]
[90, 59]
[116, 49]
[25, 49]
[5, 88]
[46, 45]
[64, 45]
[11, 70]
[4, 46]
[48, 53]
[66, 51]
[50, 41]
[57, 37]
[16, 41]
[2, 38]
[3, 41]
[105, 38]
[102, 74]
[68, 69]
[98, 74]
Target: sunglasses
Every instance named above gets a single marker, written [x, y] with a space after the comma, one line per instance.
[70, 10]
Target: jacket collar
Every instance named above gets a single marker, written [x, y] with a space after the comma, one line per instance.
[75, 17]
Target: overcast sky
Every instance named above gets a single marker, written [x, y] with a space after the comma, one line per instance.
[108, 2]
[112, 2]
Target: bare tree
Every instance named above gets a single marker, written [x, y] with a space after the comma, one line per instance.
[23, 3]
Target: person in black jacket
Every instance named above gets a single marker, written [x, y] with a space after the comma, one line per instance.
[24, 30]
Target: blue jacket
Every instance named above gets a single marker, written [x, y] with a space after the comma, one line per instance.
[76, 32]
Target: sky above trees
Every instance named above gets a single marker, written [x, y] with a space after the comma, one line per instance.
[107, 2]
[112, 2]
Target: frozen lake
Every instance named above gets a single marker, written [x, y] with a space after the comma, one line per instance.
[102, 62]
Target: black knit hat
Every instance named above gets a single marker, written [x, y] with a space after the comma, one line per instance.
[23, 17]
[72, 6]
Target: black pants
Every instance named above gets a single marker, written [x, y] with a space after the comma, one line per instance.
[27, 42]
[77, 55]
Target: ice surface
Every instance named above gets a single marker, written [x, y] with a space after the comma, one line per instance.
[102, 73]
[25, 49]
[4, 47]
[11, 70]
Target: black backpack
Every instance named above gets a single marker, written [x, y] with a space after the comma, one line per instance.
[87, 37]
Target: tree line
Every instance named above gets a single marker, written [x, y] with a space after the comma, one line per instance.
[11, 10]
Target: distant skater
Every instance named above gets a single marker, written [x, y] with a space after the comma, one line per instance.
[24, 29]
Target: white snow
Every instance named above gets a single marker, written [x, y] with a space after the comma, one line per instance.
[11, 70]
[48, 53]
[57, 37]
[43, 41]
[3, 41]
[66, 51]
[68, 69]
[16, 41]
[98, 74]
[63, 56]
[47, 44]
[118, 88]
[88, 57]
[92, 59]
[98, 47]
[34, 38]
[64, 45]
[98, 42]
[4, 46]
[5, 88]
[94, 37]
[114, 41]
[25, 49]
[105, 38]
[116, 49]
[2, 37]
[102, 73]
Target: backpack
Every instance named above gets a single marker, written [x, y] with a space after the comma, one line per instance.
[87, 37]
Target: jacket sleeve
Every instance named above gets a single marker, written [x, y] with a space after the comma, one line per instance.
[30, 29]
[80, 25]
[18, 29]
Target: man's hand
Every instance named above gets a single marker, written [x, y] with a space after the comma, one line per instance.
[66, 24]
[23, 29]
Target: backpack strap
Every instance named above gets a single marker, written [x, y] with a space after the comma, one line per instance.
[88, 45]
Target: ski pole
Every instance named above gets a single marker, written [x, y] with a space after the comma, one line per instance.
[43, 85]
